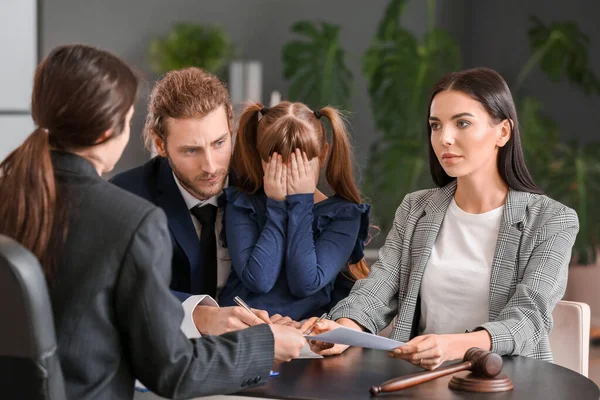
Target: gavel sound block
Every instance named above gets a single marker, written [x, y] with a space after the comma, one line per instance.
[485, 375]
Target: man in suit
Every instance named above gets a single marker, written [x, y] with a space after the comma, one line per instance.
[189, 124]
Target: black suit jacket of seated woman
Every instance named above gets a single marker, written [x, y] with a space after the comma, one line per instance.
[115, 317]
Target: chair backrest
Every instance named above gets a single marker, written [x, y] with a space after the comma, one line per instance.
[570, 336]
[29, 364]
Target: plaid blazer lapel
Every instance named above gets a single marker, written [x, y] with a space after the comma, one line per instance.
[505, 262]
[426, 232]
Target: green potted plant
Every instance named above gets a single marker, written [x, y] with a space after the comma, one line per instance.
[187, 45]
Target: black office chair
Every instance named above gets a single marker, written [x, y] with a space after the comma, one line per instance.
[29, 364]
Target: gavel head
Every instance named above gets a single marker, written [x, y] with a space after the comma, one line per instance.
[484, 363]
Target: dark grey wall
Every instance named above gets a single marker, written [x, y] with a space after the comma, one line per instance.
[260, 28]
[492, 33]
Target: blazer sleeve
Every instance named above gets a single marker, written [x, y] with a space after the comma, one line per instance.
[373, 301]
[149, 317]
[528, 313]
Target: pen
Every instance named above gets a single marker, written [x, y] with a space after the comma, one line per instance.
[310, 329]
[245, 306]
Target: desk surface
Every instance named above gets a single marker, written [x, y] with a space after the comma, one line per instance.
[350, 375]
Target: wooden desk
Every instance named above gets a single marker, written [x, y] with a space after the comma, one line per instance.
[350, 375]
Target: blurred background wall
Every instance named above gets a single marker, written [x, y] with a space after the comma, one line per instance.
[490, 33]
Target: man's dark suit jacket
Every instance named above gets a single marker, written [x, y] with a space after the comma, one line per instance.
[154, 182]
[115, 317]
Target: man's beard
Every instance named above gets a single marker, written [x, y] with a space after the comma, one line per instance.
[197, 185]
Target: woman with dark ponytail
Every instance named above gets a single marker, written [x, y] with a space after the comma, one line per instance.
[294, 251]
[70, 120]
[106, 253]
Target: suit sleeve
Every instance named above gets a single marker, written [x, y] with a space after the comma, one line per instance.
[149, 317]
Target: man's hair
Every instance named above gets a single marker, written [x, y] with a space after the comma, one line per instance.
[185, 93]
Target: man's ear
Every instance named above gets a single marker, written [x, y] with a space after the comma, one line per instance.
[160, 146]
[504, 132]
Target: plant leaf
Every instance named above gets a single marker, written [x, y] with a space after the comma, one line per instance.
[316, 66]
[564, 52]
[390, 23]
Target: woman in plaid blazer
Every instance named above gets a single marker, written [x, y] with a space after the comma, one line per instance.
[476, 159]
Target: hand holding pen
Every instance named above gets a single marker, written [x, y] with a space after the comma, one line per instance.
[262, 316]
[211, 320]
[276, 319]
[312, 326]
[287, 341]
[315, 326]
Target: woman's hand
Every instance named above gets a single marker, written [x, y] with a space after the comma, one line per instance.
[275, 178]
[301, 175]
[325, 325]
[427, 351]
[430, 351]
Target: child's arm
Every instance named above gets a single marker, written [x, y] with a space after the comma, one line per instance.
[312, 264]
[256, 255]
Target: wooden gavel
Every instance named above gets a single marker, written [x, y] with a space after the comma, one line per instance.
[483, 364]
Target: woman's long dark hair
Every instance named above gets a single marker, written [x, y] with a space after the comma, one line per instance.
[79, 93]
[488, 88]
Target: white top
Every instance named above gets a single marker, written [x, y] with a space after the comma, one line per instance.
[455, 288]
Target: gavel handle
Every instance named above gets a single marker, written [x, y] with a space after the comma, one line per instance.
[407, 381]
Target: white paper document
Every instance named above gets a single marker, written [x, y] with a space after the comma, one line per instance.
[351, 337]
[306, 352]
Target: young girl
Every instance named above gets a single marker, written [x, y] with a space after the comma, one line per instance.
[480, 261]
[293, 250]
